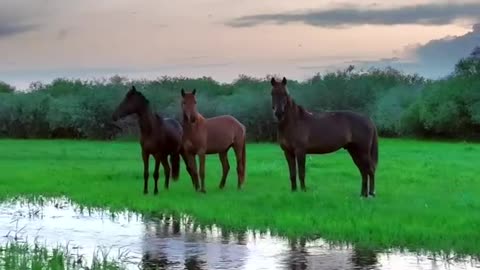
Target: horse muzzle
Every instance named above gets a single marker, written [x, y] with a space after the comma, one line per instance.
[189, 119]
[278, 116]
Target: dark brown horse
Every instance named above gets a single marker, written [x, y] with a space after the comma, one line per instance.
[301, 132]
[160, 137]
[214, 135]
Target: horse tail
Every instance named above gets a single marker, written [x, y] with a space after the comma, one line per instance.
[374, 149]
[175, 163]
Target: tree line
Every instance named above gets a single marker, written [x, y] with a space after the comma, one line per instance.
[400, 104]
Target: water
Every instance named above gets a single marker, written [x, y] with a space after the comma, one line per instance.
[178, 243]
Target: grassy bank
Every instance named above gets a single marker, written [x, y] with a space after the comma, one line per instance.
[427, 192]
[17, 255]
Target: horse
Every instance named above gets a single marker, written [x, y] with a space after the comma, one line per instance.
[160, 137]
[216, 135]
[301, 132]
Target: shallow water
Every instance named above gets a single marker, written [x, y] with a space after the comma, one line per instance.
[177, 243]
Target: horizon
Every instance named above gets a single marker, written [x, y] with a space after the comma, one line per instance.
[222, 40]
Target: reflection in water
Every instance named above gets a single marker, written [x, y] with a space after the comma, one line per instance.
[194, 263]
[173, 242]
[297, 257]
[364, 258]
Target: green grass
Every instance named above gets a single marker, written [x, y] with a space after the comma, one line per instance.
[428, 193]
[21, 256]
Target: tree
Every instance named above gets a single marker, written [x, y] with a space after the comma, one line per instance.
[475, 53]
[6, 88]
[469, 66]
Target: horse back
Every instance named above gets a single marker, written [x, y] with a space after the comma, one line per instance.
[361, 126]
[329, 131]
[174, 132]
[222, 132]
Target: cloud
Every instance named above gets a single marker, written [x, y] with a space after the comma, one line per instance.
[448, 49]
[14, 29]
[434, 59]
[18, 17]
[425, 14]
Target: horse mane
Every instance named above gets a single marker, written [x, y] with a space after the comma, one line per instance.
[156, 115]
[299, 108]
[144, 99]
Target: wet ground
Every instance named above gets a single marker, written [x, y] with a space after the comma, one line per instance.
[178, 243]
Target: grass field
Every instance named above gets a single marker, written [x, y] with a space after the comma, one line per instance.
[428, 193]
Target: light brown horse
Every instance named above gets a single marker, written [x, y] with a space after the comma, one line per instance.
[216, 135]
[301, 132]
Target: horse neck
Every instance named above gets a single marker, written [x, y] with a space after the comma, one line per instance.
[199, 119]
[292, 112]
[146, 120]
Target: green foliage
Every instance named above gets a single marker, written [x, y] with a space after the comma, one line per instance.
[6, 88]
[23, 115]
[399, 104]
[391, 108]
[20, 255]
[468, 67]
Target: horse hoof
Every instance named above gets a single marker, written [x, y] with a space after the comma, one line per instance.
[372, 194]
[203, 191]
[304, 189]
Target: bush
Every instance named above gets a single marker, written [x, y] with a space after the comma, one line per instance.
[6, 88]
[401, 105]
[391, 108]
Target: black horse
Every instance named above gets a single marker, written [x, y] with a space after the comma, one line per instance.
[160, 137]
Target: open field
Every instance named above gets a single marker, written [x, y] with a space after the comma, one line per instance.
[427, 192]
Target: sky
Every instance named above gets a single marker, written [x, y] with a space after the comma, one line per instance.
[44, 39]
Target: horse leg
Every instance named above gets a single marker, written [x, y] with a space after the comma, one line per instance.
[363, 164]
[202, 172]
[192, 169]
[225, 167]
[371, 184]
[166, 170]
[300, 154]
[145, 156]
[156, 173]
[239, 155]
[185, 160]
[292, 168]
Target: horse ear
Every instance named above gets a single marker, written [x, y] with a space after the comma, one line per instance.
[273, 82]
[133, 88]
[183, 92]
[194, 91]
[284, 81]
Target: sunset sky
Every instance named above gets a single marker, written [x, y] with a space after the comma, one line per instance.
[45, 39]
